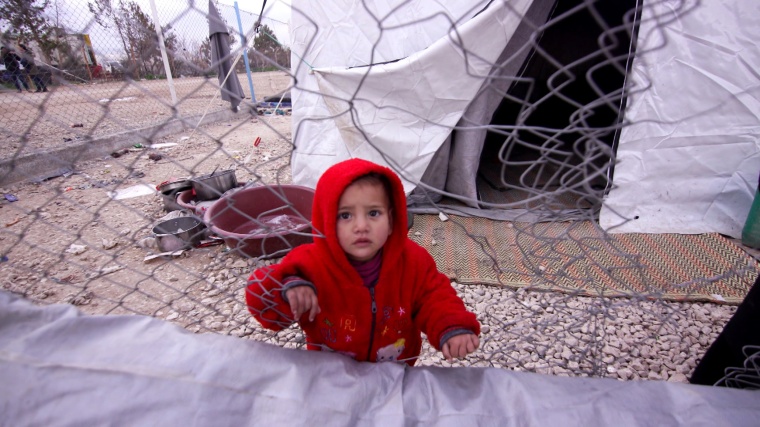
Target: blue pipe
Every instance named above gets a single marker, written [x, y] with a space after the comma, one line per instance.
[244, 43]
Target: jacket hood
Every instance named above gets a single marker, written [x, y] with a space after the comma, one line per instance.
[330, 187]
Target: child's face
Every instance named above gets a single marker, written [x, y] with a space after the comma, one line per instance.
[364, 220]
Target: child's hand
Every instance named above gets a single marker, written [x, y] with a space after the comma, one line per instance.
[303, 299]
[460, 346]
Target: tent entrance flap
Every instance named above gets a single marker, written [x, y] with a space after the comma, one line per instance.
[551, 138]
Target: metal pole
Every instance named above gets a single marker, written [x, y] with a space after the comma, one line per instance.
[165, 57]
[244, 42]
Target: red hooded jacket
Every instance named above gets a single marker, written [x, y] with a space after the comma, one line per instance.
[368, 324]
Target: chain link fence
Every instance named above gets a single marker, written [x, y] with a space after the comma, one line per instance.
[105, 72]
[82, 232]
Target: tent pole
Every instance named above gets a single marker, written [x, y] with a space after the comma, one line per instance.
[164, 56]
[244, 43]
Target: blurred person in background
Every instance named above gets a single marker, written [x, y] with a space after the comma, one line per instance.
[12, 64]
[30, 68]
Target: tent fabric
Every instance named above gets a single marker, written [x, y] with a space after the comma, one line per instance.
[454, 168]
[688, 161]
[400, 110]
[60, 367]
[221, 60]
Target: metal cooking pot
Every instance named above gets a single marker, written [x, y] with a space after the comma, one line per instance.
[179, 233]
[213, 185]
[169, 191]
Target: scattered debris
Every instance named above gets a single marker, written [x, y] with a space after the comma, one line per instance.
[77, 125]
[68, 279]
[257, 141]
[104, 271]
[126, 98]
[155, 156]
[443, 216]
[109, 244]
[170, 215]
[133, 191]
[718, 297]
[12, 222]
[76, 249]
[83, 298]
[119, 153]
[211, 241]
[164, 255]
[163, 145]
[64, 172]
[11, 198]
[147, 243]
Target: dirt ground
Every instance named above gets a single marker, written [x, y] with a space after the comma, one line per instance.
[32, 122]
[67, 240]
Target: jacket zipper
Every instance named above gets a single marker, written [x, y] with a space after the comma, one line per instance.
[372, 330]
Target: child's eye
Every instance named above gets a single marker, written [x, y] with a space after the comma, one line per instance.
[375, 213]
[344, 215]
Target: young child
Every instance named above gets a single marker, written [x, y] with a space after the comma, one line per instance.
[363, 288]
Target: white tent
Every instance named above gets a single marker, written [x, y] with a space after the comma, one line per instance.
[389, 81]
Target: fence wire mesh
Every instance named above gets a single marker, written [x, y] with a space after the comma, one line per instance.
[81, 231]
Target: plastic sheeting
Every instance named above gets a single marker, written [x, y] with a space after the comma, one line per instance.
[399, 111]
[690, 162]
[59, 368]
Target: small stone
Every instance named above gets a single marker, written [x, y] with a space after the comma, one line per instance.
[624, 373]
[147, 243]
[185, 306]
[76, 249]
[109, 244]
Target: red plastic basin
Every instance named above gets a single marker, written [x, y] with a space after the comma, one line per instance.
[263, 222]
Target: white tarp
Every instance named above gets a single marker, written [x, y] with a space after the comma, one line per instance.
[396, 113]
[61, 368]
[690, 161]
[688, 164]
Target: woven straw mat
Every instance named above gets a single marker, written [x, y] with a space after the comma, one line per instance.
[579, 258]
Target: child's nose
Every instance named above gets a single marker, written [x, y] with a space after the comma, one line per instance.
[361, 223]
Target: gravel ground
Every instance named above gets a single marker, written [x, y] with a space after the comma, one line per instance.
[522, 330]
[66, 241]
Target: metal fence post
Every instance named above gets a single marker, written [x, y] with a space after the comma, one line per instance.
[164, 56]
